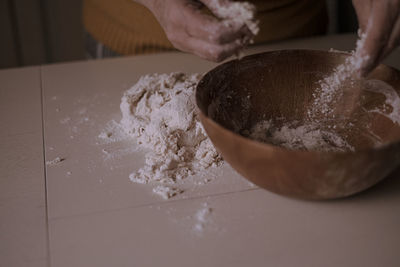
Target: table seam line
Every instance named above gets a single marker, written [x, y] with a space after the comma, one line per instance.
[152, 204]
[44, 164]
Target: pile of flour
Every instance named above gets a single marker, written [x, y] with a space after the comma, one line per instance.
[160, 112]
[299, 137]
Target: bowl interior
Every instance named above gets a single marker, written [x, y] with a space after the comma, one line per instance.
[279, 86]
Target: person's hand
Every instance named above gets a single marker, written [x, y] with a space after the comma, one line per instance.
[380, 21]
[191, 30]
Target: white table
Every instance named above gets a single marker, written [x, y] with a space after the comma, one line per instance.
[85, 211]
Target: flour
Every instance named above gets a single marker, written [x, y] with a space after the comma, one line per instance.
[202, 217]
[166, 192]
[391, 109]
[340, 92]
[113, 132]
[236, 13]
[65, 120]
[299, 137]
[55, 161]
[159, 111]
[329, 91]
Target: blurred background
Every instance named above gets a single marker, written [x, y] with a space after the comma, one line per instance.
[37, 32]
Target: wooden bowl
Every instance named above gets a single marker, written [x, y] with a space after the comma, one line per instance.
[279, 84]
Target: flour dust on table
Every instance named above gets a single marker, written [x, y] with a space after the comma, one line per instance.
[54, 161]
[203, 217]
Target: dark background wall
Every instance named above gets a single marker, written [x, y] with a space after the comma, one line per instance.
[40, 31]
[36, 32]
[346, 16]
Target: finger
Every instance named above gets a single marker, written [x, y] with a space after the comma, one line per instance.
[207, 50]
[394, 39]
[378, 32]
[208, 28]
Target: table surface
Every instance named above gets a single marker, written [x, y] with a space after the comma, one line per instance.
[85, 211]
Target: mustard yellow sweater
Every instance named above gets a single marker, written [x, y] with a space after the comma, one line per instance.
[130, 28]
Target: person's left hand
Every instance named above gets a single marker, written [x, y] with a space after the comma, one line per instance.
[191, 30]
[380, 21]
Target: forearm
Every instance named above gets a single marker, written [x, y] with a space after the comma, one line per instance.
[151, 4]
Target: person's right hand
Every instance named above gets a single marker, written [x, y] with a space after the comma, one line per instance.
[191, 30]
[380, 22]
